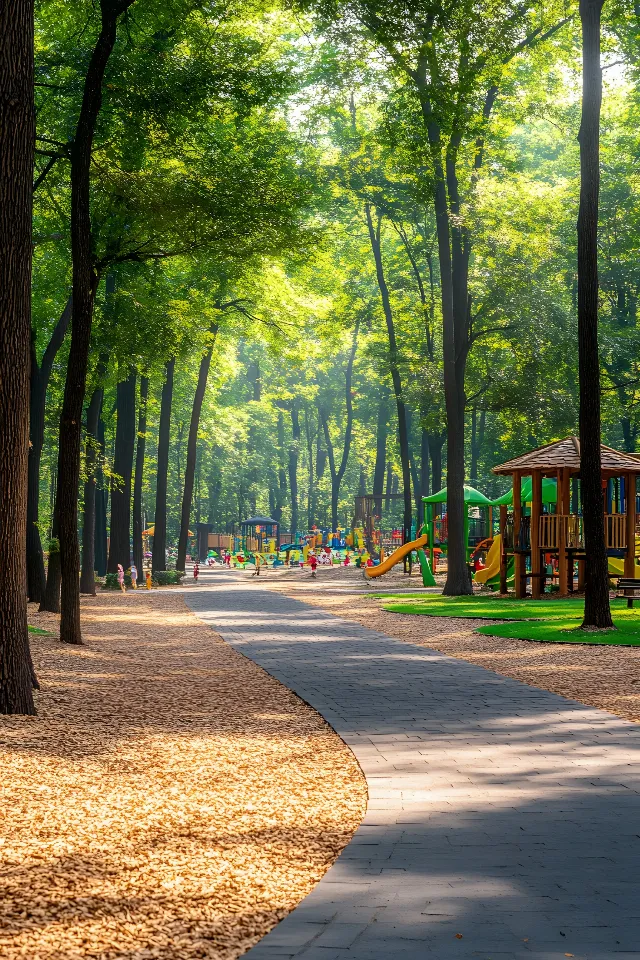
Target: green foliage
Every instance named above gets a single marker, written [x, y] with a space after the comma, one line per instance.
[168, 578]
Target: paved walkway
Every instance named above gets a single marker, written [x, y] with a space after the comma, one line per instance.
[503, 821]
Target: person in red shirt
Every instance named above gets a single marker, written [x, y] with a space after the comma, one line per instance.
[313, 563]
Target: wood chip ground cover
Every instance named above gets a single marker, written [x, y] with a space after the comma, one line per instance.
[170, 799]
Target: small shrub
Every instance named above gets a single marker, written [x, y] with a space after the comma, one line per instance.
[168, 578]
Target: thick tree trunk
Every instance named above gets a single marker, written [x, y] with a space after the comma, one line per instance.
[294, 453]
[101, 508]
[40, 377]
[120, 526]
[597, 612]
[192, 449]
[138, 557]
[403, 437]
[16, 190]
[87, 574]
[84, 288]
[477, 440]
[159, 552]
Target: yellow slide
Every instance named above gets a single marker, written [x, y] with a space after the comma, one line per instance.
[395, 557]
[493, 562]
[616, 568]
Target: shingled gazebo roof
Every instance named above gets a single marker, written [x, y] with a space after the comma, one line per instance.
[566, 453]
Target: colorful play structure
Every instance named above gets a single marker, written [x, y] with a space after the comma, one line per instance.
[542, 538]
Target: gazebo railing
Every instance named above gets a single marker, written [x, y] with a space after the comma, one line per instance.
[557, 528]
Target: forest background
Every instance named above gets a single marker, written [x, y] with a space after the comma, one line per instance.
[264, 244]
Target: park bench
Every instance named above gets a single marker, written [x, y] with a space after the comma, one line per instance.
[628, 587]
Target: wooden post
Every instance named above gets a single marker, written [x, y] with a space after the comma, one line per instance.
[503, 555]
[517, 521]
[630, 498]
[536, 510]
[563, 565]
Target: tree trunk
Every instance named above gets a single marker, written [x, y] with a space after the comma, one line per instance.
[84, 288]
[381, 453]
[138, 558]
[40, 377]
[435, 447]
[597, 612]
[403, 438]
[120, 527]
[477, 440]
[294, 452]
[16, 190]
[101, 508]
[424, 463]
[87, 574]
[51, 599]
[311, 493]
[281, 489]
[337, 475]
[192, 449]
[159, 552]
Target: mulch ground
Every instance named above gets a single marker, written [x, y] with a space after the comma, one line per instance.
[170, 799]
[599, 676]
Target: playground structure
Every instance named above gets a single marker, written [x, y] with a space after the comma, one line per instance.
[476, 528]
[534, 538]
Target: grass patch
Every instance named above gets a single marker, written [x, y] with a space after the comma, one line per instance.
[43, 633]
[627, 633]
[487, 608]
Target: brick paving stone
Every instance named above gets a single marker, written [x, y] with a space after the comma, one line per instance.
[503, 821]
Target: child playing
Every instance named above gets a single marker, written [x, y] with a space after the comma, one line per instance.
[121, 578]
[134, 576]
[196, 571]
[313, 563]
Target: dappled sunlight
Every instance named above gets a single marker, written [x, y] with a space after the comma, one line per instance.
[170, 799]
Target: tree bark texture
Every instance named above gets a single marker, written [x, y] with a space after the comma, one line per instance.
[403, 437]
[192, 450]
[51, 599]
[40, 376]
[120, 526]
[138, 557]
[87, 574]
[159, 551]
[83, 289]
[17, 131]
[436, 442]
[597, 612]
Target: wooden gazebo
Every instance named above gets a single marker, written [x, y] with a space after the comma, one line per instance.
[560, 534]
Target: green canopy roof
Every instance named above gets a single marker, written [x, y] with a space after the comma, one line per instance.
[549, 492]
[471, 496]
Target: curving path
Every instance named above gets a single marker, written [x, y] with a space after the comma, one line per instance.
[503, 821]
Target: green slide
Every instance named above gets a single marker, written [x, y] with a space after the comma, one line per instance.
[428, 579]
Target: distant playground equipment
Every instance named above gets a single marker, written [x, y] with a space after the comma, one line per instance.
[478, 521]
[542, 537]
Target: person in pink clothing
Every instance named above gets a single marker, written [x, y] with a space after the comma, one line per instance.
[121, 578]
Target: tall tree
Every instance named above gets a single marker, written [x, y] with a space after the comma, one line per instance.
[403, 436]
[85, 282]
[337, 471]
[294, 453]
[192, 449]
[94, 412]
[40, 376]
[138, 478]
[120, 528]
[159, 552]
[597, 611]
[17, 131]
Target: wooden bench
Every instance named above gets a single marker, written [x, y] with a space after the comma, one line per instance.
[628, 587]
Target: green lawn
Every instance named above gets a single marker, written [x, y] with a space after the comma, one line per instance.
[627, 633]
[489, 608]
[548, 621]
[45, 633]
